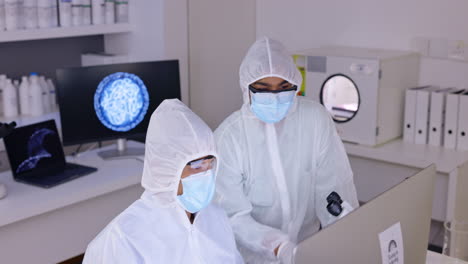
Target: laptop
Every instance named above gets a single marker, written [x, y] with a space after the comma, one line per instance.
[355, 237]
[36, 156]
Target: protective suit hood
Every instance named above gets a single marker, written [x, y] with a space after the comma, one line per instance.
[175, 136]
[267, 58]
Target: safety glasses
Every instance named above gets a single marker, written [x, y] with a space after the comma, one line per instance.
[255, 90]
[202, 163]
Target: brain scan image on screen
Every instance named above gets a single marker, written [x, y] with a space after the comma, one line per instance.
[121, 101]
[36, 150]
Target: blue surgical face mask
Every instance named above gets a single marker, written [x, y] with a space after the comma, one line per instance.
[271, 107]
[198, 190]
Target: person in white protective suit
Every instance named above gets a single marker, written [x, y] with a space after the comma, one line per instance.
[173, 221]
[281, 158]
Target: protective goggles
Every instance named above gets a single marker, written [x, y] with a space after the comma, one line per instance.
[255, 90]
[202, 163]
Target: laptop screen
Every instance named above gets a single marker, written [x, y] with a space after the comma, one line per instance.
[34, 147]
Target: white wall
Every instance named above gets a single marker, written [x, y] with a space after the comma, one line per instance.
[369, 23]
[176, 40]
[220, 32]
[159, 33]
[302, 24]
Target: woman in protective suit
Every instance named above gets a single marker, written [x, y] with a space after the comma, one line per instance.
[282, 160]
[174, 220]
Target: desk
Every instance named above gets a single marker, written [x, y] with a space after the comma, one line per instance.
[45, 226]
[436, 258]
[377, 169]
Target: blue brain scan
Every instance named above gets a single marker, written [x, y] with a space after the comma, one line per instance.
[36, 150]
[121, 101]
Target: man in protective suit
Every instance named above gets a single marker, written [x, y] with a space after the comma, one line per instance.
[281, 158]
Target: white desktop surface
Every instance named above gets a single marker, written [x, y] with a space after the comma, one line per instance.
[412, 155]
[44, 226]
[28, 200]
[436, 258]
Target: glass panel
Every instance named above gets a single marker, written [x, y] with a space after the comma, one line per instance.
[341, 97]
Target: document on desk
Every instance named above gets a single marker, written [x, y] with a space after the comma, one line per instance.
[391, 245]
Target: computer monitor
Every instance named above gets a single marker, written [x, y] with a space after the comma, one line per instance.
[113, 101]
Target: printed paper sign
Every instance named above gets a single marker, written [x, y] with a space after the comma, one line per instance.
[391, 245]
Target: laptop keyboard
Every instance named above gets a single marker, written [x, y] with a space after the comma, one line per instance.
[71, 171]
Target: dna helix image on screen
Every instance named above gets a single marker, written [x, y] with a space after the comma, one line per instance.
[121, 101]
[36, 150]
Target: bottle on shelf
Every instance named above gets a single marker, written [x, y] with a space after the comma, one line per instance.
[121, 11]
[110, 11]
[11, 14]
[86, 9]
[10, 99]
[35, 98]
[30, 14]
[16, 84]
[24, 96]
[2, 15]
[65, 13]
[44, 13]
[52, 95]
[54, 13]
[77, 13]
[3, 78]
[45, 94]
[21, 19]
[98, 11]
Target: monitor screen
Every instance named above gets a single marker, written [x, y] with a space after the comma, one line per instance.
[113, 101]
[34, 147]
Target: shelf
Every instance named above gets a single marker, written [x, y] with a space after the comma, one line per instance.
[50, 33]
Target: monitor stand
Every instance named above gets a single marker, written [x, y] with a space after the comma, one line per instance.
[121, 151]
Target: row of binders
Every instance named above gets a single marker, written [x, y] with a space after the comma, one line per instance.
[436, 116]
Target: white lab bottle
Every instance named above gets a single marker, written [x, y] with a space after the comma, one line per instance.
[35, 98]
[21, 19]
[53, 13]
[65, 13]
[2, 15]
[98, 11]
[16, 85]
[52, 95]
[2, 85]
[77, 13]
[110, 11]
[43, 13]
[86, 9]
[24, 96]
[11, 14]
[10, 106]
[121, 11]
[30, 14]
[45, 94]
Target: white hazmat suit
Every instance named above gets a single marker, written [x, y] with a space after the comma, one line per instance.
[274, 177]
[155, 228]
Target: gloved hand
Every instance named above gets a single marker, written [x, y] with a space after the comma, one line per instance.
[286, 252]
